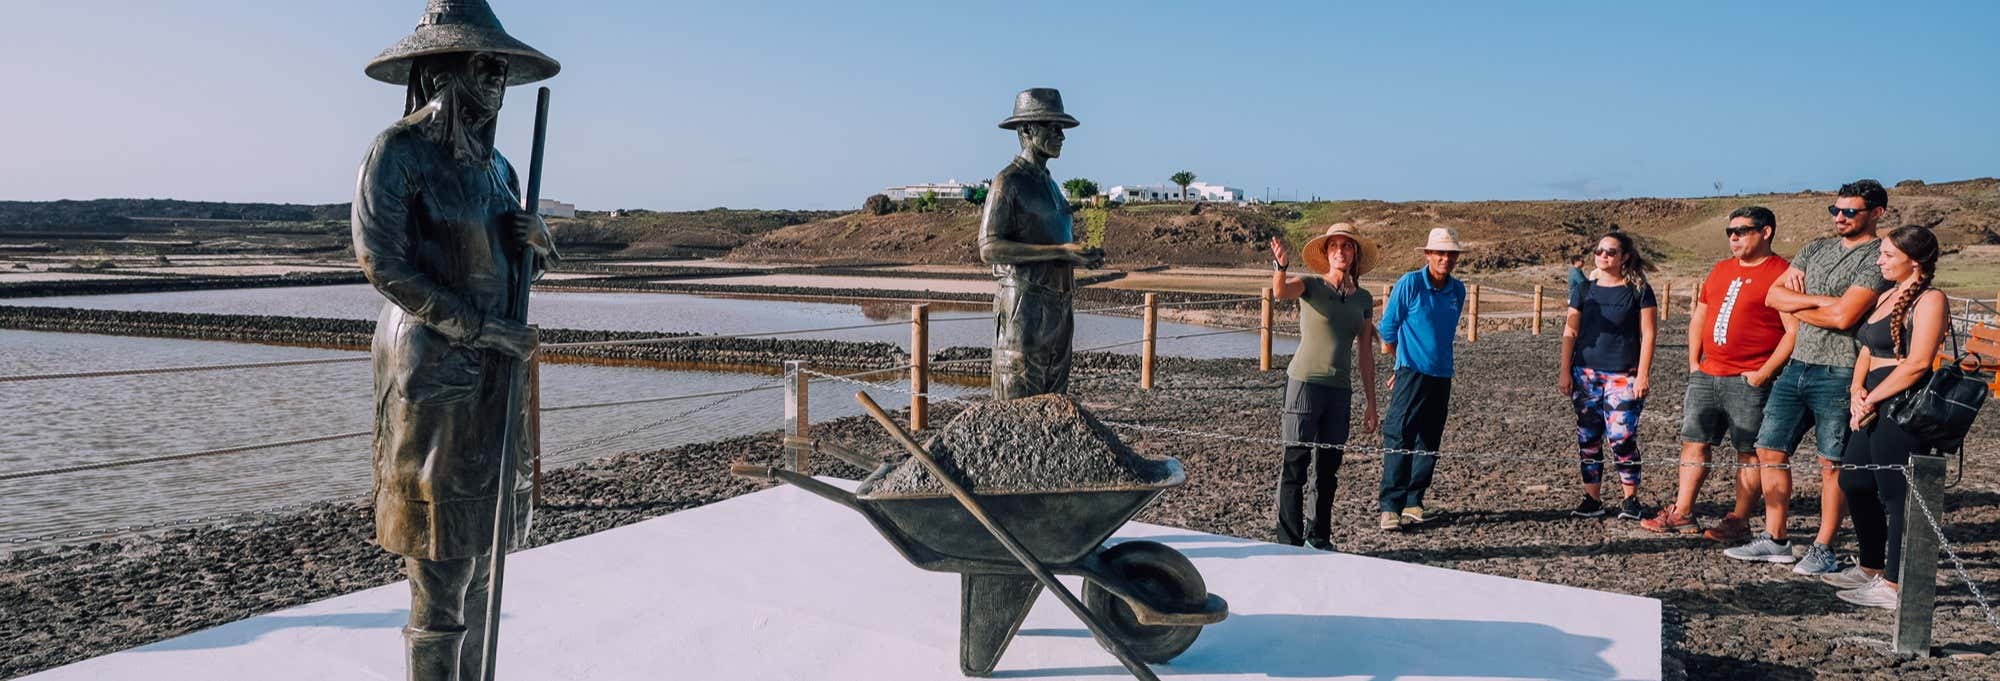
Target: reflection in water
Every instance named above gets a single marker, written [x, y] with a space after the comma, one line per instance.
[69, 422]
[685, 313]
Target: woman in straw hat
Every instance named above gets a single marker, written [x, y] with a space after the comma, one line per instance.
[1334, 333]
[439, 230]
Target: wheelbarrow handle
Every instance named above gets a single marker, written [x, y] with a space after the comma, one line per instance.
[1028, 560]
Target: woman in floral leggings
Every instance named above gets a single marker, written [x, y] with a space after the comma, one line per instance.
[1607, 362]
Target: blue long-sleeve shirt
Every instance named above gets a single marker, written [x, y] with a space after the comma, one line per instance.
[1422, 321]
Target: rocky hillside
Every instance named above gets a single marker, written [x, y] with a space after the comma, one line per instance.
[647, 233]
[1684, 234]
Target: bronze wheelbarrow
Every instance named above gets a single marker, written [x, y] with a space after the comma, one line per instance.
[1145, 601]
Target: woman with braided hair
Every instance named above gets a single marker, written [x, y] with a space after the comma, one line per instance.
[1898, 342]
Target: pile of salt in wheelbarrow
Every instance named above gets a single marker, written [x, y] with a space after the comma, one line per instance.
[1010, 494]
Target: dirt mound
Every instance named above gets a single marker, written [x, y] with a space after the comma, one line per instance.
[1031, 444]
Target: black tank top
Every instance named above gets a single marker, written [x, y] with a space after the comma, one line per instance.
[1877, 338]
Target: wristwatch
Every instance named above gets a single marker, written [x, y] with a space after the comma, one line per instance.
[1277, 266]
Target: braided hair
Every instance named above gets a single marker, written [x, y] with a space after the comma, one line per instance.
[1920, 245]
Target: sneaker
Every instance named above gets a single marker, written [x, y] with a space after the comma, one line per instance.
[1391, 521]
[1730, 530]
[1762, 549]
[1850, 578]
[1629, 508]
[1413, 515]
[1819, 560]
[1590, 508]
[1667, 521]
[1320, 544]
[1875, 594]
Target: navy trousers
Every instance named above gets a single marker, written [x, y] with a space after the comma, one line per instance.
[1415, 421]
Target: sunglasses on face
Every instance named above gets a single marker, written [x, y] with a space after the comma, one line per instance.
[1848, 213]
[1612, 252]
[1741, 231]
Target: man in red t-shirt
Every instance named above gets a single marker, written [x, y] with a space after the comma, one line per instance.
[1735, 345]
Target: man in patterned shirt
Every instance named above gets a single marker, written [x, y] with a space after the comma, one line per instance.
[1830, 287]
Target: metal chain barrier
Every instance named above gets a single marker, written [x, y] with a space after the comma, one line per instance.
[18, 475]
[178, 370]
[1950, 552]
[285, 510]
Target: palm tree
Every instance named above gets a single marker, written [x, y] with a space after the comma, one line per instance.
[1183, 178]
[1080, 189]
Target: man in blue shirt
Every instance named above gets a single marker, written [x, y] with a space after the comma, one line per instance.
[1419, 323]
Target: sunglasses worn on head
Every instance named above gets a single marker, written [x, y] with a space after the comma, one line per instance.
[1848, 213]
[1741, 231]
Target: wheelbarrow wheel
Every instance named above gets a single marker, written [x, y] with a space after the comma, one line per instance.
[1160, 575]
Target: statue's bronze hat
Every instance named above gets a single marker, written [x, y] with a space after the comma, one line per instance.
[461, 26]
[1038, 105]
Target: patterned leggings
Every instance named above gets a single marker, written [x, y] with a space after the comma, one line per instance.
[1607, 413]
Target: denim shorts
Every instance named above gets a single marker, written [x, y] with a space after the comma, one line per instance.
[1719, 406]
[1807, 397]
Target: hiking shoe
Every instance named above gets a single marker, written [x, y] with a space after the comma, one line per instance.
[1590, 508]
[1391, 521]
[1668, 521]
[1850, 578]
[1730, 530]
[1629, 508]
[1819, 560]
[1762, 549]
[1320, 544]
[1875, 594]
[1413, 515]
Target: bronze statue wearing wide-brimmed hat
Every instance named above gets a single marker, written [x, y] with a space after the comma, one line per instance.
[1025, 234]
[440, 231]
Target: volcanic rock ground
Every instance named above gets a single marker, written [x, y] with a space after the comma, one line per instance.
[1503, 516]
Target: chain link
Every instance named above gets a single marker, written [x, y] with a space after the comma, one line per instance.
[180, 522]
[1950, 552]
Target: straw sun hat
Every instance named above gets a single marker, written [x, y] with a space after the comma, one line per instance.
[1315, 250]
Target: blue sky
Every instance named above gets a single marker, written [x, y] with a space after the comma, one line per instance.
[672, 105]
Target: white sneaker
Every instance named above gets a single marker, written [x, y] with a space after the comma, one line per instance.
[1850, 578]
[1875, 594]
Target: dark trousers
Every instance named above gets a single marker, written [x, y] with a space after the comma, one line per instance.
[1875, 498]
[1313, 413]
[447, 617]
[1415, 421]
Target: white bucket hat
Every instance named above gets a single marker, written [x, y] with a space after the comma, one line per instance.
[1443, 239]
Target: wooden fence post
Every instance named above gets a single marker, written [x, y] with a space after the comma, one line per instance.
[920, 365]
[1916, 602]
[1146, 354]
[1472, 316]
[1264, 333]
[1387, 290]
[797, 421]
[1667, 302]
[535, 426]
[1537, 323]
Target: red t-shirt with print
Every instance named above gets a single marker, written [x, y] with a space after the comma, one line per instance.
[1739, 332]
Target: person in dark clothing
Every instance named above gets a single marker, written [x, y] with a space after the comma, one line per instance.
[1334, 333]
[1606, 368]
[1899, 340]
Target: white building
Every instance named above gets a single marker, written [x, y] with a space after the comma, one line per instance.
[952, 189]
[556, 209]
[1196, 191]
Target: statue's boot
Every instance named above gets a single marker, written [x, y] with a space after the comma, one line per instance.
[433, 655]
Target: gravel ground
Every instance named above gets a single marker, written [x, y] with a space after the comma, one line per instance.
[1723, 619]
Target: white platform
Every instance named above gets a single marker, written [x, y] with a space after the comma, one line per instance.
[784, 585]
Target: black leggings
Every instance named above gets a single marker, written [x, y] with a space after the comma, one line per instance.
[1875, 498]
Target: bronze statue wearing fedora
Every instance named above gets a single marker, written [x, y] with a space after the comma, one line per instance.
[439, 230]
[1025, 234]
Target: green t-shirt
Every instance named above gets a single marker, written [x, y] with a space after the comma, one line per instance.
[1830, 270]
[1328, 323]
